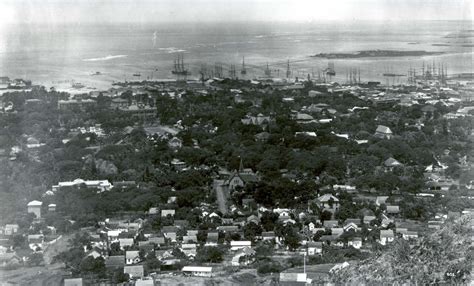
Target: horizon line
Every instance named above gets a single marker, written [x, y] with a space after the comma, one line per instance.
[241, 21]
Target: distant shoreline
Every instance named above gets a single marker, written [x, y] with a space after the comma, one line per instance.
[375, 54]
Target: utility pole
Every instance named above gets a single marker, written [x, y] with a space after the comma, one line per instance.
[304, 263]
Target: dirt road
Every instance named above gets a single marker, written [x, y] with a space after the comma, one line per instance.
[221, 194]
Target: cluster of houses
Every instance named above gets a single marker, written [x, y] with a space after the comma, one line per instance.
[125, 244]
[18, 83]
[136, 243]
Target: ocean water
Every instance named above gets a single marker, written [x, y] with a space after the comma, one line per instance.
[58, 55]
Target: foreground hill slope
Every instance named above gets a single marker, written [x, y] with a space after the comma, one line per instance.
[444, 256]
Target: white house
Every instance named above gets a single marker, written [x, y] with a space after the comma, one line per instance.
[165, 213]
[94, 253]
[328, 202]
[386, 236]
[52, 207]
[124, 242]
[132, 257]
[11, 229]
[34, 207]
[240, 244]
[100, 185]
[293, 278]
[282, 212]
[356, 242]
[350, 226]
[197, 271]
[381, 200]
[243, 256]
[113, 234]
[315, 248]
[73, 282]
[383, 132]
[175, 143]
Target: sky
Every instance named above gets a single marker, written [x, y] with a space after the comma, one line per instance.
[146, 11]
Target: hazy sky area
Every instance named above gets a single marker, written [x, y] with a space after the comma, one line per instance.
[145, 11]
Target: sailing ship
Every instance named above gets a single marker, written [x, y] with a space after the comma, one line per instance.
[179, 68]
[330, 71]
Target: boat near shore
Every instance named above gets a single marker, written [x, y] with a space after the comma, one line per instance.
[77, 85]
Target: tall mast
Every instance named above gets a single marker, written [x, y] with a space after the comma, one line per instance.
[232, 71]
[267, 71]
[288, 72]
[423, 70]
[243, 71]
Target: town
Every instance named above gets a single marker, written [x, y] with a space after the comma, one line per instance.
[226, 181]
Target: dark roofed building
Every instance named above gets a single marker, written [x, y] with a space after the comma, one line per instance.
[169, 228]
[328, 238]
[331, 223]
[118, 103]
[393, 210]
[116, 261]
[135, 271]
[228, 228]
[73, 104]
[262, 136]
[241, 178]
[356, 221]
[158, 240]
[9, 259]
[181, 223]
[268, 235]
[212, 237]
[124, 184]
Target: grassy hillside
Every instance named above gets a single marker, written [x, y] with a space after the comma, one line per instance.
[444, 256]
